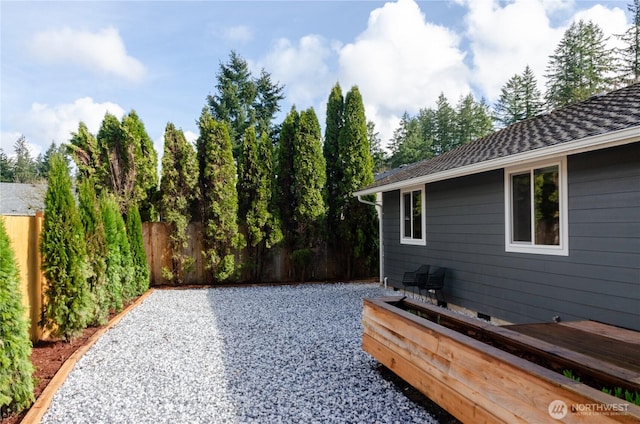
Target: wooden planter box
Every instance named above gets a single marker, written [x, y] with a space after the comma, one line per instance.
[475, 382]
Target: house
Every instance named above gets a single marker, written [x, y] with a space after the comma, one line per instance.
[538, 220]
[22, 199]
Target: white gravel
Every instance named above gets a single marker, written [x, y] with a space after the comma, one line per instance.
[288, 354]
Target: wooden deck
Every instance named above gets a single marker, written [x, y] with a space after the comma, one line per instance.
[617, 346]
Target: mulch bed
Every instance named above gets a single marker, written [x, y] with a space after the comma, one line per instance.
[47, 357]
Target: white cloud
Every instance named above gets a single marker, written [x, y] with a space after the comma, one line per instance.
[239, 33]
[190, 136]
[612, 21]
[102, 52]
[303, 65]
[401, 62]
[504, 38]
[43, 124]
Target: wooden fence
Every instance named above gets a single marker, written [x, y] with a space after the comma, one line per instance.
[24, 235]
[277, 267]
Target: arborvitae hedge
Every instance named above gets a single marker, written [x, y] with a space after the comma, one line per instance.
[16, 382]
[96, 249]
[67, 309]
[110, 213]
[139, 257]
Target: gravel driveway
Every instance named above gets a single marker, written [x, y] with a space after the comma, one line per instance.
[287, 354]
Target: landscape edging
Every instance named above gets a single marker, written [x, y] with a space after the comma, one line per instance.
[41, 405]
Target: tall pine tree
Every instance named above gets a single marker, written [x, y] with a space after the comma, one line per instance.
[242, 101]
[629, 55]
[580, 66]
[520, 99]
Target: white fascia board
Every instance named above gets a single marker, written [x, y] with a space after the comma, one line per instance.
[587, 144]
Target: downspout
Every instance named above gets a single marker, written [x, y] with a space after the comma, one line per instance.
[378, 206]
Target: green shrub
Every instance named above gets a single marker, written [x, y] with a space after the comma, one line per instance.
[96, 249]
[110, 213]
[129, 285]
[67, 309]
[16, 370]
[141, 268]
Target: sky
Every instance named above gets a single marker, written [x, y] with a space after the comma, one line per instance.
[66, 62]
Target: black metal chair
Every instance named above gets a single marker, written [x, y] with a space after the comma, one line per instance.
[433, 286]
[413, 279]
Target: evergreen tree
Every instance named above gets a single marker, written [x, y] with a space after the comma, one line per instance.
[445, 125]
[129, 283]
[243, 101]
[43, 160]
[67, 309]
[24, 167]
[254, 194]
[533, 103]
[473, 120]
[378, 154]
[6, 168]
[308, 182]
[115, 272]
[333, 125]
[221, 236]
[117, 160]
[520, 99]
[272, 229]
[83, 147]
[629, 55]
[138, 254]
[579, 67]
[16, 370]
[284, 175]
[358, 230]
[146, 166]
[178, 190]
[267, 104]
[408, 145]
[91, 217]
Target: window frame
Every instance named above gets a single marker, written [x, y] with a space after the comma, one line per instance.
[423, 219]
[562, 249]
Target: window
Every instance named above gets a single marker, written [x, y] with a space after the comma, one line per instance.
[536, 211]
[413, 217]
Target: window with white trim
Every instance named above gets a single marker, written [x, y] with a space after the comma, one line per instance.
[412, 216]
[536, 208]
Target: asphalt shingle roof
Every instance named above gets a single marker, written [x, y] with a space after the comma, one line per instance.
[21, 199]
[601, 114]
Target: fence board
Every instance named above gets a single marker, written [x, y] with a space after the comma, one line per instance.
[24, 234]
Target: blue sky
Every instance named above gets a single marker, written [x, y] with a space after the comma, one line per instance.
[66, 62]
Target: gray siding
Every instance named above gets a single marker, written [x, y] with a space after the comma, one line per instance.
[599, 280]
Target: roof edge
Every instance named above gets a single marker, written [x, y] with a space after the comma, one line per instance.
[586, 144]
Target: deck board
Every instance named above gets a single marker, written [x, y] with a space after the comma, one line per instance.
[622, 350]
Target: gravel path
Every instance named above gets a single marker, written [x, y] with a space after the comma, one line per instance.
[288, 354]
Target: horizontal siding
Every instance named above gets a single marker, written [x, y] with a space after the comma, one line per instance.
[599, 280]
